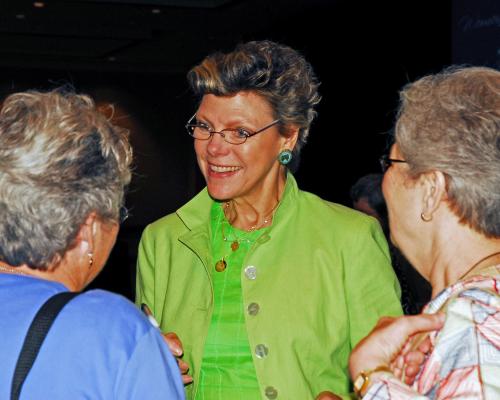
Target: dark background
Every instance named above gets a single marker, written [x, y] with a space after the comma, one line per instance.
[135, 55]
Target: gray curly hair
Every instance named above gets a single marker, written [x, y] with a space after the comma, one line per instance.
[451, 122]
[60, 159]
[276, 72]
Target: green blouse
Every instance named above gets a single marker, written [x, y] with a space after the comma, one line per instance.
[227, 370]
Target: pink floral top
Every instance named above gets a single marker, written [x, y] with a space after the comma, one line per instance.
[465, 360]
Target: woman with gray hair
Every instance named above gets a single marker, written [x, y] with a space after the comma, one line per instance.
[442, 187]
[267, 286]
[63, 170]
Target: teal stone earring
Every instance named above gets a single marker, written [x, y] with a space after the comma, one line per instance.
[285, 156]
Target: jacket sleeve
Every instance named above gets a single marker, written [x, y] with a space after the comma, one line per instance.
[145, 281]
[372, 289]
[465, 360]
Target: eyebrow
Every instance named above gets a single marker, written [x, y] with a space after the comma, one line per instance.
[239, 122]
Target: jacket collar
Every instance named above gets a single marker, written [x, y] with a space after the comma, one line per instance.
[196, 217]
[197, 211]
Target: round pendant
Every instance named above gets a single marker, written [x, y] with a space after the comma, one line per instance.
[235, 245]
[220, 265]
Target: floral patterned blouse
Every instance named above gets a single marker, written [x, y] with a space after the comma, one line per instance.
[465, 359]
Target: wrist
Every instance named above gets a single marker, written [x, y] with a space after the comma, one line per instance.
[363, 359]
[365, 378]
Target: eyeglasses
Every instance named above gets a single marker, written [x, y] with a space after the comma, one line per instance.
[386, 162]
[202, 131]
[123, 214]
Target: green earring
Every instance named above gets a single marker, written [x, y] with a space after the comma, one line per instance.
[285, 156]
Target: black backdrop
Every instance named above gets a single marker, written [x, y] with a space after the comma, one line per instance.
[363, 52]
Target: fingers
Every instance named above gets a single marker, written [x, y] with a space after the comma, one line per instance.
[410, 325]
[175, 346]
[408, 363]
[174, 343]
[425, 346]
[397, 366]
[411, 372]
[184, 367]
[398, 372]
[415, 358]
[389, 338]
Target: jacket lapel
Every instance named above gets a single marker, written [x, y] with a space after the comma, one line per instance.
[196, 217]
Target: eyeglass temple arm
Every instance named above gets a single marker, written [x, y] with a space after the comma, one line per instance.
[263, 129]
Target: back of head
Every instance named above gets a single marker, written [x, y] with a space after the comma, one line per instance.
[451, 122]
[60, 159]
[276, 72]
[369, 188]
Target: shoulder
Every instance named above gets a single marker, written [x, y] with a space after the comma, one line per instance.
[478, 290]
[470, 331]
[194, 213]
[103, 345]
[103, 311]
[474, 300]
[168, 221]
[163, 230]
[335, 215]
[475, 304]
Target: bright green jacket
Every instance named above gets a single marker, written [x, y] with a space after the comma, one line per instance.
[321, 282]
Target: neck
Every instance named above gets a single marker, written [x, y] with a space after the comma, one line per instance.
[54, 274]
[19, 270]
[466, 254]
[256, 211]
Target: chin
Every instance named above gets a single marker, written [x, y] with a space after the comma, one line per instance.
[218, 193]
[393, 240]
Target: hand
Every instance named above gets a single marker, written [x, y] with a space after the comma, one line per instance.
[175, 346]
[327, 396]
[386, 341]
[407, 364]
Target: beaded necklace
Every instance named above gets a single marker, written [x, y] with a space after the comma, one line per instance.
[12, 270]
[231, 236]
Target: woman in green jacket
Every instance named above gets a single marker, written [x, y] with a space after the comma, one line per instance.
[267, 287]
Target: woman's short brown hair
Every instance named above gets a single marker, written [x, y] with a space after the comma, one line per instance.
[451, 122]
[60, 159]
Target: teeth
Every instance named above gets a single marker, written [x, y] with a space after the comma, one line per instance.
[218, 168]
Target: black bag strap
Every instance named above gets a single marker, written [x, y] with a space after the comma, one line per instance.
[37, 332]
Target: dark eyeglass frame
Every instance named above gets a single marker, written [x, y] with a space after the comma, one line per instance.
[123, 214]
[386, 162]
[191, 127]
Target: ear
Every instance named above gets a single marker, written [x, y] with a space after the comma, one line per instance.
[85, 237]
[290, 137]
[434, 184]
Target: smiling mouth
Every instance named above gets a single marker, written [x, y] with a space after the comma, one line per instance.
[221, 169]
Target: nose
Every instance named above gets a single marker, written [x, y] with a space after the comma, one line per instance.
[217, 145]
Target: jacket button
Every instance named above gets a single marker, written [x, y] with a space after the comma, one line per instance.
[271, 393]
[261, 351]
[253, 309]
[251, 272]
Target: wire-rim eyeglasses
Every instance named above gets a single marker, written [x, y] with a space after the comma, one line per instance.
[201, 131]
